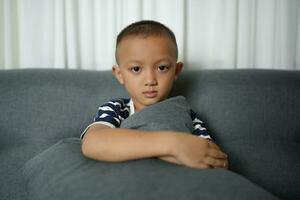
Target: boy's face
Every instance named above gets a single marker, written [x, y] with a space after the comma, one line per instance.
[147, 68]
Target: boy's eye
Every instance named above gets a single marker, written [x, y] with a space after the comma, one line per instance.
[135, 69]
[163, 68]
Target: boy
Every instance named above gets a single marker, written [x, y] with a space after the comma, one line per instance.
[146, 55]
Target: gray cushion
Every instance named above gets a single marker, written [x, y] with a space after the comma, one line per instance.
[171, 114]
[61, 172]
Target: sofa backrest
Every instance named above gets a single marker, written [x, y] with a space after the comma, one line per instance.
[245, 104]
[234, 104]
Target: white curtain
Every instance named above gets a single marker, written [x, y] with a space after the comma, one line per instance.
[80, 34]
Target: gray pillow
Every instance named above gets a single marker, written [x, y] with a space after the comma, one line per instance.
[171, 114]
[62, 173]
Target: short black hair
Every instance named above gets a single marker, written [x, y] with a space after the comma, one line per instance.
[146, 28]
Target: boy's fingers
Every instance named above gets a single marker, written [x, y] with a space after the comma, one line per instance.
[217, 154]
[217, 163]
[203, 166]
[214, 145]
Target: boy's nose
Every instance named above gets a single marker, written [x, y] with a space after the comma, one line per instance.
[150, 79]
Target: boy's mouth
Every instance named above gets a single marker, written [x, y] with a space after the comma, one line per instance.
[150, 94]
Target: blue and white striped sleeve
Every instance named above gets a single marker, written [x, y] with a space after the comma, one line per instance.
[199, 129]
[108, 114]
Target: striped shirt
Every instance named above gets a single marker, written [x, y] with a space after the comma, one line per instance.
[115, 111]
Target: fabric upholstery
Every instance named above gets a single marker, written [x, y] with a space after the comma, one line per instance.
[252, 114]
[39, 108]
[172, 114]
[61, 172]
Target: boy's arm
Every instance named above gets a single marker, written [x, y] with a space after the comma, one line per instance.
[116, 144]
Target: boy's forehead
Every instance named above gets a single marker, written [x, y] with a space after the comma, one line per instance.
[135, 38]
[139, 40]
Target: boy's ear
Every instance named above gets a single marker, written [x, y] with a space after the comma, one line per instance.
[117, 73]
[178, 70]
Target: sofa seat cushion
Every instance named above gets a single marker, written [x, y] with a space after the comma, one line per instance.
[61, 172]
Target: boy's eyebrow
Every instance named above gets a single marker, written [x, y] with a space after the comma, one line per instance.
[165, 59]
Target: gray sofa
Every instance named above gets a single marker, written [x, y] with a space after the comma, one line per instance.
[252, 114]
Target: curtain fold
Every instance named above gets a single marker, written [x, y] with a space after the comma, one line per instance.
[80, 34]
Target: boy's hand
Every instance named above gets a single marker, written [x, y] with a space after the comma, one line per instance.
[196, 152]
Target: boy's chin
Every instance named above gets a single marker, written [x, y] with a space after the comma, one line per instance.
[151, 101]
[145, 102]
